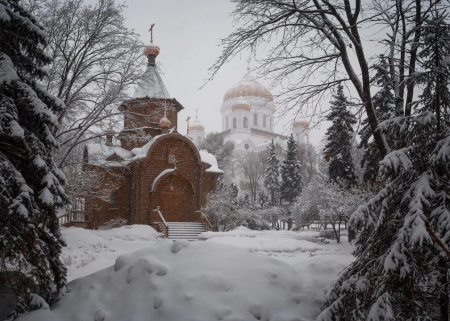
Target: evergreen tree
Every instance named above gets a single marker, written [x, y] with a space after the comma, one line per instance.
[291, 178]
[263, 200]
[402, 265]
[339, 137]
[384, 104]
[30, 183]
[272, 173]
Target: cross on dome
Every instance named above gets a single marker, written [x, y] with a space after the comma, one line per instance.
[151, 32]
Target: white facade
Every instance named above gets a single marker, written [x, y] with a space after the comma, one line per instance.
[300, 129]
[197, 131]
[248, 116]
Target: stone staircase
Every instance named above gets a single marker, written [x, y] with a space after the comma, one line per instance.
[185, 230]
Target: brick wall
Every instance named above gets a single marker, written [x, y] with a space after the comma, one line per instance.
[136, 202]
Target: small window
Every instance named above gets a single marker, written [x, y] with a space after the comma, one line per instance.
[227, 122]
[234, 123]
[114, 199]
[246, 146]
[172, 159]
[264, 121]
[255, 120]
[245, 122]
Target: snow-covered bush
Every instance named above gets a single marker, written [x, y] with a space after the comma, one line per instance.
[328, 234]
[327, 203]
[116, 222]
[226, 210]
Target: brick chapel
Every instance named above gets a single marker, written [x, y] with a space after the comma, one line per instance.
[154, 166]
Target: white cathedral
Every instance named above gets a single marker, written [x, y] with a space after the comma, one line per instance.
[248, 119]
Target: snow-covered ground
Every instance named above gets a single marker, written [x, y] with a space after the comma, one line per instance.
[88, 251]
[239, 275]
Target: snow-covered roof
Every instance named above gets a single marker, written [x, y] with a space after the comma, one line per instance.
[211, 160]
[141, 152]
[151, 85]
[98, 155]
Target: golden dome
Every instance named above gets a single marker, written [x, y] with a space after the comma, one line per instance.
[165, 122]
[151, 50]
[241, 104]
[248, 87]
[197, 125]
[301, 123]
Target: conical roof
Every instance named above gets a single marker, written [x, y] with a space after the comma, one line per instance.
[151, 84]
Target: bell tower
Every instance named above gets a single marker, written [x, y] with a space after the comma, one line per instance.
[151, 102]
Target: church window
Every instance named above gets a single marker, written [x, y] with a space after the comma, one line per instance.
[114, 199]
[234, 122]
[172, 159]
[264, 121]
[255, 120]
[246, 146]
[245, 123]
[227, 121]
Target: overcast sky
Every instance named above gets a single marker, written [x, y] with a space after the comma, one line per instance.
[189, 34]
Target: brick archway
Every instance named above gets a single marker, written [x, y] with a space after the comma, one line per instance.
[175, 194]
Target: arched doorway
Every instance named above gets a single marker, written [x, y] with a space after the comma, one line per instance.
[176, 198]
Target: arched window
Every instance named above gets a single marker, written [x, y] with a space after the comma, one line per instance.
[227, 122]
[245, 122]
[234, 122]
[255, 119]
[264, 121]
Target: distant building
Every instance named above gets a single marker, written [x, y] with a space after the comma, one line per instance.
[248, 116]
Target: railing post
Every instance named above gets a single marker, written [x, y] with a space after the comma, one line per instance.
[163, 220]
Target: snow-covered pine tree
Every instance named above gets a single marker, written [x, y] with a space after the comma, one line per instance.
[291, 177]
[384, 104]
[339, 137]
[272, 173]
[30, 183]
[263, 200]
[402, 265]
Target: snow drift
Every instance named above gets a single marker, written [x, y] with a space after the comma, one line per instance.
[178, 280]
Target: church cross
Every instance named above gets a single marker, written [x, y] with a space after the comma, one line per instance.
[196, 113]
[187, 120]
[248, 62]
[151, 32]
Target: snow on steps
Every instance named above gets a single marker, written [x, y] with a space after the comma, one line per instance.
[185, 230]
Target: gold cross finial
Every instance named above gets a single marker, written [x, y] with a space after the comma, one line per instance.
[151, 32]
[187, 120]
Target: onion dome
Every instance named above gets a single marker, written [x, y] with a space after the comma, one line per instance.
[165, 122]
[196, 125]
[301, 122]
[241, 104]
[151, 50]
[248, 87]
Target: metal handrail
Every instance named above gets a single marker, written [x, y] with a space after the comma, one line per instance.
[206, 219]
[163, 220]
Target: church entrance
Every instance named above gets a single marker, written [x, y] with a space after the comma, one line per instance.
[175, 199]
